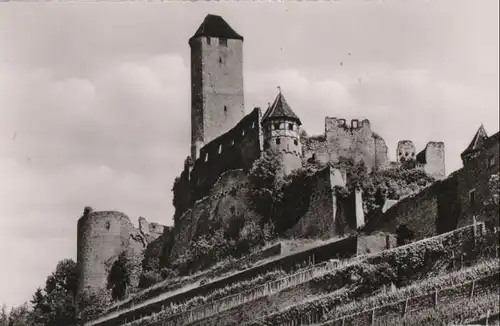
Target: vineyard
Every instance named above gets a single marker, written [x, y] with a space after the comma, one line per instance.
[420, 280]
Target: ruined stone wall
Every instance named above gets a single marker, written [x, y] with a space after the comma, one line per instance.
[102, 236]
[217, 88]
[405, 151]
[434, 210]
[327, 215]
[355, 140]
[435, 160]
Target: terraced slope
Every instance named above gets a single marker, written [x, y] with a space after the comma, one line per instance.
[268, 298]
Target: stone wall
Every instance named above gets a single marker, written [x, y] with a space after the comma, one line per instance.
[236, 149]
[418, 212]
[341, 140]
[474, 177]
[328, 214]
[405, 151]
[101, 238]
[432, 160]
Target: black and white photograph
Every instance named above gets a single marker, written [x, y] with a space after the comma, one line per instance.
[249, 163]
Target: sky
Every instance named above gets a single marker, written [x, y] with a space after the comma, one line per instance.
[95, 98]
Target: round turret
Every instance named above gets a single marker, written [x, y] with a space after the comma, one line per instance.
[281, 128]
[101, 237]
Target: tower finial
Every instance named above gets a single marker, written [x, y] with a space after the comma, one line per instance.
[279, 89]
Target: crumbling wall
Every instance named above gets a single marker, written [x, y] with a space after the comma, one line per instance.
[405, 151]
[325, 217]
[432, 160]
[342, 140]
[101, 237]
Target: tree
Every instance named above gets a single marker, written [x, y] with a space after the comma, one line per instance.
[20, 316]
[4, 316]
[55, 304]
[119, 277]
[265, 184]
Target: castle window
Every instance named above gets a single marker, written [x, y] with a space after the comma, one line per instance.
[278, 141]
[206, 157]
[290, 126]
[223, 41]
[220, 149]
[220, 60]
[225, 108]
[243, 132]
[472, 197]
[296, 142]
[406, 154]
[276, 126]
[209, 40]
[107, 226]
[491, 161]
[232, 143]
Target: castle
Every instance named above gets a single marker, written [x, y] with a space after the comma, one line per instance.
[225, 142]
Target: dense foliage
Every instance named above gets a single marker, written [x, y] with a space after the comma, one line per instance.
[119, 277]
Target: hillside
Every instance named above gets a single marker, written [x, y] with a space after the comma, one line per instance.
[348, 288]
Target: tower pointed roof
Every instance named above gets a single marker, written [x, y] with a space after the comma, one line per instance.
[216, 26]
[279, 110]
[477, 141]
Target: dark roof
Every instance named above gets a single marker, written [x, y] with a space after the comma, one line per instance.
[280, 109]
[216, 26]
[477, 141]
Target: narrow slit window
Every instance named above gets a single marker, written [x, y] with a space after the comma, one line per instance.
[472, 197]
[276, 126]
[296, 142]
[209, 40]
[290, 126]
[223, 41]
[278, 141]
[220, 149]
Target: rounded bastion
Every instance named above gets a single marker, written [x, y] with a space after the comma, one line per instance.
[101, 237]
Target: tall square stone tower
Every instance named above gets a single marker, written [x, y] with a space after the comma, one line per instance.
[217, 102]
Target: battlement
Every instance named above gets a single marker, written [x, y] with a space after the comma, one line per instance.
[236, 149]
[353, 140]
[332, 123]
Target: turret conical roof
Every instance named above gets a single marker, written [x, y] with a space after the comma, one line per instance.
[477, 141]
[280, 110]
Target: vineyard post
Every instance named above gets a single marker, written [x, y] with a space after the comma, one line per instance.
[472, 291]
[436, 298]
[406, 307]
[453, 258]
[487, 316]
[474, 227]
[373, 316]
[343, 321]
